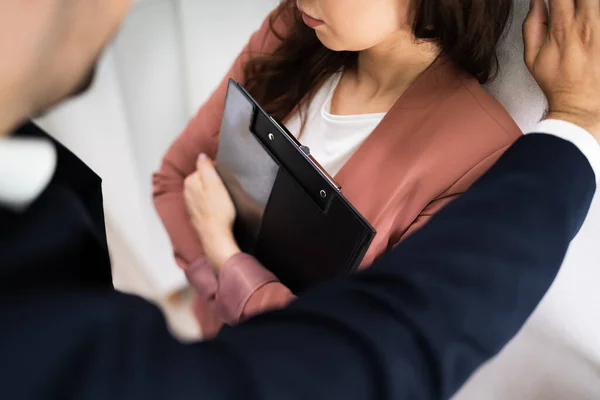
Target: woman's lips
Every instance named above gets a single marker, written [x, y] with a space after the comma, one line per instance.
[310, 21]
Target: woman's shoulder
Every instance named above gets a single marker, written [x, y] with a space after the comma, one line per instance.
[471, 123]
[477, 110]
[462, 126]
[457, 108]
[492, 107]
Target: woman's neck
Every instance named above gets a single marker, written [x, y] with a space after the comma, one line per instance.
[390, 67]
[382, 75]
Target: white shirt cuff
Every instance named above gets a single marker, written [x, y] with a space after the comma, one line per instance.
[581, 138]
[27, 166]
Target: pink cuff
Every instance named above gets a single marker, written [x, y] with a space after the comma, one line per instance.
[239, 278]
[202, 277]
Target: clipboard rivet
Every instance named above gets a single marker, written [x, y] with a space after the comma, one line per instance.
[323, 194]
[271, 136]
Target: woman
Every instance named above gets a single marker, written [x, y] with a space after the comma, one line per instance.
[386, 94]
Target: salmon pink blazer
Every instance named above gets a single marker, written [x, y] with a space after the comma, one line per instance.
[435, 142]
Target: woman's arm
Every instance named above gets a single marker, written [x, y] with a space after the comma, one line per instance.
[235, 284]
[200, 136]
[246, 288]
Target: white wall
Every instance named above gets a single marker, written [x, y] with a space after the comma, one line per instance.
[213, 34]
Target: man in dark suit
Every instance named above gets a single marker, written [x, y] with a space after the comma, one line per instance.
[415, 332]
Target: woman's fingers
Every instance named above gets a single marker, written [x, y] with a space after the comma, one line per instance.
[208, 173]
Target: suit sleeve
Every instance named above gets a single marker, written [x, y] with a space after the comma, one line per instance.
[416, 324]
[425, 216]
[423, 318]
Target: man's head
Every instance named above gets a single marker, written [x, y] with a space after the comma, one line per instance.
[48, 50]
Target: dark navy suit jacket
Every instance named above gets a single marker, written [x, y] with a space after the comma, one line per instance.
[414, 326]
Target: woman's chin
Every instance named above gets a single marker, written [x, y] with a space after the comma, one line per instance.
[334, 44]
[329, 42]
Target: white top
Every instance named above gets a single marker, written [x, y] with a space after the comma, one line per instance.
[332, 139]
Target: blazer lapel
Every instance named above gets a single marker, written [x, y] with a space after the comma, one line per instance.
[390, 144]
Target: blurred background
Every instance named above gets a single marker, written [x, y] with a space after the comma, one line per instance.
[166, 61]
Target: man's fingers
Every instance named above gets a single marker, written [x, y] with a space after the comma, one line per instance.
[589, 7]
[535, 30]
[561, 12]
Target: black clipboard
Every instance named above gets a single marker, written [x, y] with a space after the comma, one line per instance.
[292, 215]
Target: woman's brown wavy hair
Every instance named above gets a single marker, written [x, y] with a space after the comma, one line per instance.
[466, 31]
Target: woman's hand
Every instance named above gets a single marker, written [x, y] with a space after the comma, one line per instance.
[212, 212]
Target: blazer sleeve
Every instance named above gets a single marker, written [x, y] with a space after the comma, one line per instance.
[243, 288]
[246, 289]
[416, 332]
[200, 136]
